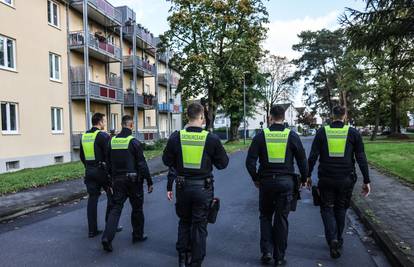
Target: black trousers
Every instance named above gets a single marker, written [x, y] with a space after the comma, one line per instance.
[125, 188]
[192, 207]
[275, 196]
[96, 179]
[335, 200]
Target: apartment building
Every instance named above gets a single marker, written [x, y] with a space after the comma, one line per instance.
[71, 59]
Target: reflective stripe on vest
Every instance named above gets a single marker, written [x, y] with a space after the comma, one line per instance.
[336, 140]
[121, 142]
[192, 147]
[276, 144]
[88, 145]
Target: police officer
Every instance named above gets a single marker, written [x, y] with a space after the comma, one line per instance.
[128, 168]
[190, 154]
[93, 150]
[337, 146]
[276, 147]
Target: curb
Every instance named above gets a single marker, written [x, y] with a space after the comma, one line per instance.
[393, 253]
[53, 202]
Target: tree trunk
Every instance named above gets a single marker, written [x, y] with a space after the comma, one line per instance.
[267, 114]
[234, 130]
[377, 119]
[393, 112]
[210, 113]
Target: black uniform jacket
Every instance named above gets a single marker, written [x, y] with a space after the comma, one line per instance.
[101, 146]
[258, 150]
[136, 150]
[338, 168]
[214, 154]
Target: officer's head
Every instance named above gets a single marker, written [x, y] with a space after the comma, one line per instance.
[98, 121]
[339, 113]
[277, 114]
[128, 122]
[195, 114]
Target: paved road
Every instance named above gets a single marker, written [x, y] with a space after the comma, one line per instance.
[57, 237]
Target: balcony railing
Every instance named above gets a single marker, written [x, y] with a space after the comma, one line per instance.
[142, 33]
[77, 39]
[103, 7]
[140, 64]
[146, 136]
[143, 101]
[165, 107]
[163, 78]
[110, 93]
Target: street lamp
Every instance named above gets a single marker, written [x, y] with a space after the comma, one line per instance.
[244, 103]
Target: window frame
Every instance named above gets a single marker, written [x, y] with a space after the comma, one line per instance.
[8, 131]
[6, 60]
[7, 4]
[114, 121]
[54, 55]
[50, 4]
[55, 122]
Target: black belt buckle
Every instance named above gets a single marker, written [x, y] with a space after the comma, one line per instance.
[133, 177]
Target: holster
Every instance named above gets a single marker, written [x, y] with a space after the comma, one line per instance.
[213, 211]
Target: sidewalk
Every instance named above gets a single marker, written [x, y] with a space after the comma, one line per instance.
[17, 204]
[389, 212]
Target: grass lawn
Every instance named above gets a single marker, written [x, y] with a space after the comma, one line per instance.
[236, 145]
[396, 158]
[30, 178]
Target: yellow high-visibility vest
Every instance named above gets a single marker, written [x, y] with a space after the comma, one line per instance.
[192, 147]
[276, 144]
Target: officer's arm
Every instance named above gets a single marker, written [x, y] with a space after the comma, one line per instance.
[104, 141]
[141, 162]
[108, 158]
[81, 153]
[220, 159]
[172, 175]
[168, 156]
[300, 156]
[251, 159]
[315, 151]
[361, 157]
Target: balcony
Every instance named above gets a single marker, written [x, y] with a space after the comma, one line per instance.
[143, 101]
[164, 78]
[99, 48]
[146, 136]
[145, 39]
[144, 69]
[110, 93]
[164, 107]
[162, 57]
[100, 11]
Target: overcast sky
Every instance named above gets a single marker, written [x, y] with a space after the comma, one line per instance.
[287, 19]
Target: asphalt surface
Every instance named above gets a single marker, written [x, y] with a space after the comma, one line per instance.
[58, 236]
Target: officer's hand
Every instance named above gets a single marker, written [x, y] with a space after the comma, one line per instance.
[257, 184]
[110, 190]
[170, 195]
[366, 189]
[150, 189]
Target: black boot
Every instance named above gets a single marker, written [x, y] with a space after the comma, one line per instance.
[95, 233]
[181, 260]
[266, 258]
[334, 249]
[107, 245]
[136, 239]
[281, 262]
[119, 229]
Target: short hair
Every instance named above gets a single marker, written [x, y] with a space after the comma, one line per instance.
[338, 112]
[126, 120]
[97, 118]
[194, 110]
[277, 112]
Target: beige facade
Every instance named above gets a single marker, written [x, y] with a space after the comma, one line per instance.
[43, 83]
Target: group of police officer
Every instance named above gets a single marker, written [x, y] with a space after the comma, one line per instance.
[118, 166]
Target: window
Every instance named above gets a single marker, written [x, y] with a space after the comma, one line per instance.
[56, 118]
[9, 115]
[59, 159]
[147, 121]
[12, 165]
[114, 121]
[147, 89]
[7, 2]
[54, 67]
[53, 13]
[7, 53]
[111, 39]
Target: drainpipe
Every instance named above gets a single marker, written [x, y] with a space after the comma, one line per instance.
[86, 63]
[134, 78]
[69, 85]
[157, 89]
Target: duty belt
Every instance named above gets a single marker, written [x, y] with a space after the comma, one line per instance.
[181, 181]
[131, 176]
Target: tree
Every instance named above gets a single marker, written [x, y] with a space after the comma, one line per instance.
[387, 26]
[318, 68]
[206, 37]
[277, 70]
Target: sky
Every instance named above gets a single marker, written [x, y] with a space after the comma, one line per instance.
[287, 18]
